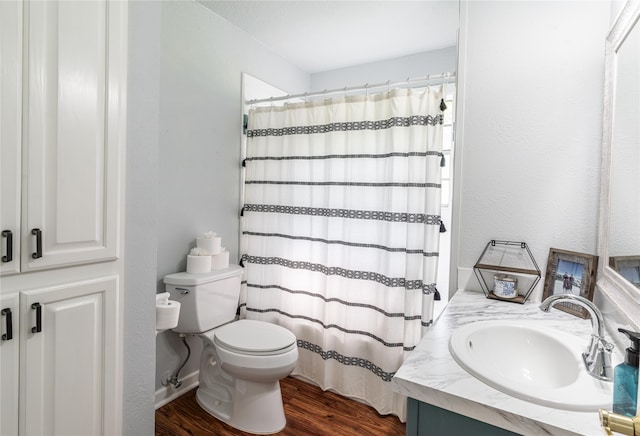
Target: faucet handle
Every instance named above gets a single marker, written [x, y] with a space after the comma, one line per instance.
[603, 343]
[608, 346]
[597, 358]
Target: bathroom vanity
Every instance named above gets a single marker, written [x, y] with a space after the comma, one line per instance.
[443, 398]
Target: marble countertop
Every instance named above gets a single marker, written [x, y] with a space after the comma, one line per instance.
[432, 376]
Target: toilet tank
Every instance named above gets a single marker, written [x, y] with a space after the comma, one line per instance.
[207, 300]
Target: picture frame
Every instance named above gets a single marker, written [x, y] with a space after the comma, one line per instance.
[570, 272]
[628, 267]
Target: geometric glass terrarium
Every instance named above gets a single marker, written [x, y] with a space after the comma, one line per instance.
[507, 271]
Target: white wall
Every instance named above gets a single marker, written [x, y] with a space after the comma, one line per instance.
[141, 222]
[202, 58]
[395, 70]
[531, 78]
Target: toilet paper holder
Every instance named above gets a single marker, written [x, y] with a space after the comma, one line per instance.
[167, 312]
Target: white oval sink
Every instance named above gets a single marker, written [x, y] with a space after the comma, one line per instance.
[530, 362]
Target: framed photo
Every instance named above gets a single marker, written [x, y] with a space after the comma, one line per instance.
[569, 272]
[628, 267]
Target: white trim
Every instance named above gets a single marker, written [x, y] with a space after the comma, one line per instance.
[457, 164]
[467, 280]
[167, 394]
[118, 31]
[613, 287]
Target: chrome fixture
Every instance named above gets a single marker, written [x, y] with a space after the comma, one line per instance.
[597, 357]
[173, 379]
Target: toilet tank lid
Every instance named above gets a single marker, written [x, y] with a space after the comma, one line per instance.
[194, 279]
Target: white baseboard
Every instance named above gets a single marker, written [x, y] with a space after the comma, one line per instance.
[167, 394]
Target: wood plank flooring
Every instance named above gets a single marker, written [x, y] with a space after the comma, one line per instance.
[309, 412]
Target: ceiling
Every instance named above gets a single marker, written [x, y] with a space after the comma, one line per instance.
[319, 35]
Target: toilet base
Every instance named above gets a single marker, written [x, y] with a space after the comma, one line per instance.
[253, 407]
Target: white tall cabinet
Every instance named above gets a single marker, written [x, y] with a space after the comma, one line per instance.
[9, 364]
[11, 46]
[62, 138]
[60, 75]
[67, 349]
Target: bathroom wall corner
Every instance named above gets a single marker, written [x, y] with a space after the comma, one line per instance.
[141, 218]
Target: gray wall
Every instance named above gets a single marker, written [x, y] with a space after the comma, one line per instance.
[394, 70]
[141, 235]
[202, 58]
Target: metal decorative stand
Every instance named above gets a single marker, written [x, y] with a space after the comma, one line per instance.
[507, 257]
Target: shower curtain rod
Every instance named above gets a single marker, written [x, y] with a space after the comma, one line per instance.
[444, 78]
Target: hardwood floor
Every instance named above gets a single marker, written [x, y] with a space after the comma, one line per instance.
[308, 409]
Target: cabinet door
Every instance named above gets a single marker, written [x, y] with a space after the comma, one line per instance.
[69, 378]
[73, 130]
[9, 355]
[10, 133]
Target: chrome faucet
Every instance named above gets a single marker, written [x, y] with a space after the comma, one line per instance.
[597, 356]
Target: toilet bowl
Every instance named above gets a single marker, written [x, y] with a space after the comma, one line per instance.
[242, 361]
[240, 369]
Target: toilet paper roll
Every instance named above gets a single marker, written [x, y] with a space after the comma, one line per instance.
[220, 261]
[167, 315]
[198, 264]
[210, 245]
[162, 298]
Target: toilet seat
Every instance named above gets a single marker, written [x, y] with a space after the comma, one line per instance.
[254, 338]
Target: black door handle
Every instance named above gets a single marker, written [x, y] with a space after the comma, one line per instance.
[38, 234]
[9, 235]
[38, 308]
[6, 312]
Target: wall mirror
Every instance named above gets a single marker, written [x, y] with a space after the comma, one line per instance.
[619, 228]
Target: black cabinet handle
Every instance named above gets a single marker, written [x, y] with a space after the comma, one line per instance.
[6, 312]
[38, 308]
[38, 234]
[9, 235]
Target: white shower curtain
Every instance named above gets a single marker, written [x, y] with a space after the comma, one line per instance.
[340, 233]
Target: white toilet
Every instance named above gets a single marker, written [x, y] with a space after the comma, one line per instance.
[242, 361]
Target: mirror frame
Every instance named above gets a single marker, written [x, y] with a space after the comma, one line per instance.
[618, 290]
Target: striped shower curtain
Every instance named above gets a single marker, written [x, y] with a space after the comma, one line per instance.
[340, 233]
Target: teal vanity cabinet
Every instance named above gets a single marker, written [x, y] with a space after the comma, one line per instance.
[424, 419]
